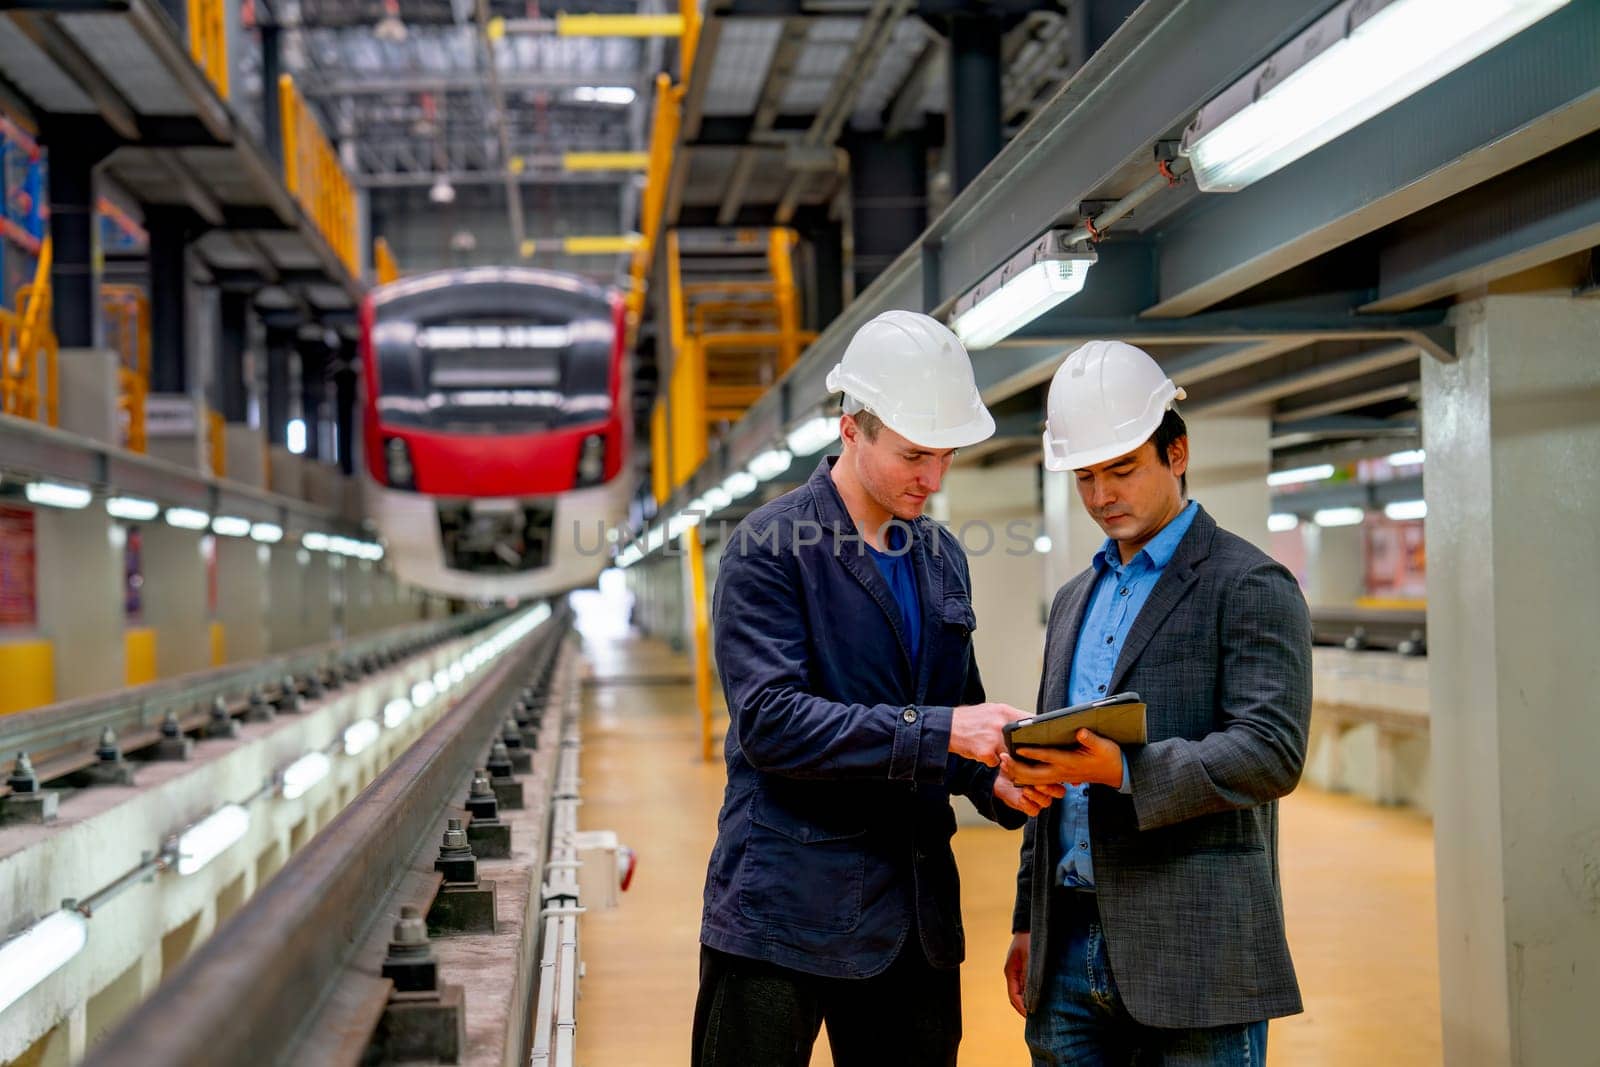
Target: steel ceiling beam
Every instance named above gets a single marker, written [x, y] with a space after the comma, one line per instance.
[1398, 391]
[1536, 92]
[1326, 372]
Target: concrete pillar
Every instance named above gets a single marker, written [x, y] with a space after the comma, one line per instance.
[247, 455]
[1512, 430]
[174, 598]
[1336, 565]
[89, 392]
[242, 571]
[79, 557]
[286, 595]
[995, 513]
[973, 117]
[1229, 456]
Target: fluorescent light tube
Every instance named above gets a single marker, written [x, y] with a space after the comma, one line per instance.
[132, 508]
[303, 773]
[58, 495]
[458, 673]
[739, 485]
[1042, 544]
[230, 526]
[38, 952]
[1282, 522]
[993, 314]
[813, 435]
[603, 94]
[188, 519]
[1413, 458]
[423, 693]
[1358, 60]
[399, 710]
[268, 533]
[717, 498]
[441, 682]
[211, 836]
[770, 464]
[1298, 475]
[1401, 510]
[359, 736]
[317, 542]
[1339, 517]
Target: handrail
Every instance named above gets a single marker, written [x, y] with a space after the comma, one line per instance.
[29, 341]
[314, 176]
[208, 41]
[384, 267]
[127, 310]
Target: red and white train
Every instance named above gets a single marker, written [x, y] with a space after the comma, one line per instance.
[497, 428]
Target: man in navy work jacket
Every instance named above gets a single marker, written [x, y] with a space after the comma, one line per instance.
[843, 623]
[1149, 921]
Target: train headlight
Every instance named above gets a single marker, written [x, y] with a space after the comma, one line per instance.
[397, 460]
[592, 460]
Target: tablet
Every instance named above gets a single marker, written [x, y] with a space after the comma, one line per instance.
[1120, 717]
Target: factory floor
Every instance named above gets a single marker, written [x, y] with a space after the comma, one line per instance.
[1358, 890]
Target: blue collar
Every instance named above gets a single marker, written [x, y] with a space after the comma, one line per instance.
[1161, 548]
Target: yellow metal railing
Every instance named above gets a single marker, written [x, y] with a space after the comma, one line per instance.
[314, 176]
[583, 245]
[127, 313]
[208, 41]
[29, 352]
[383, 263]
[217, 442]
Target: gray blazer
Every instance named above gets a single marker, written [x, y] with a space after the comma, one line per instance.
[1187, 866]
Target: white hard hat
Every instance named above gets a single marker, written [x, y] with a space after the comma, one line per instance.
[913, 373]
[1105, 401]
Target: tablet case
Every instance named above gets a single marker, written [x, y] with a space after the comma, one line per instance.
[1120, 717]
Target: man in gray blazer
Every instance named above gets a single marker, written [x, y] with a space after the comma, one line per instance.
[1149, 921]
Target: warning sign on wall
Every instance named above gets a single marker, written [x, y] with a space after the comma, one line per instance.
[18, 605]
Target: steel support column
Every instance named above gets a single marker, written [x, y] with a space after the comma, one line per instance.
[169, 241]
[75, 286]
[313, 391]
[232, 393]
[280, 345]
[344, 385]
[973, 114]
[888, 200]
[271, 69]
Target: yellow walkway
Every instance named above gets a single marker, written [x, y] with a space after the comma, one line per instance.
[1358, 884]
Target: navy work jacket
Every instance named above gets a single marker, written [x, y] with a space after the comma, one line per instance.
[833, 844]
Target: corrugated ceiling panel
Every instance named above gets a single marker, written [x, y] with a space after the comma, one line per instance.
[26, 67]
[743, 55]
[124, 58]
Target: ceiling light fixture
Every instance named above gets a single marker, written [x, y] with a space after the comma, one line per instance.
[1033, 281]
[1358, 60]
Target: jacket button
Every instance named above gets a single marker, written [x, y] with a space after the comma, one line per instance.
[909, 715]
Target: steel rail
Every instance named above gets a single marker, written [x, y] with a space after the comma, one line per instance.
[252, 992]
[62, 738]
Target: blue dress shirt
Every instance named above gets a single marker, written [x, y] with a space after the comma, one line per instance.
[898, 571]
[1119, 593]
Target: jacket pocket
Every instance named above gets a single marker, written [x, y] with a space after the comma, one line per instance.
[802, 873]
[957, 611]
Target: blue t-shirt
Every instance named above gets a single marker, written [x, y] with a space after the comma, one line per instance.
[901, 576]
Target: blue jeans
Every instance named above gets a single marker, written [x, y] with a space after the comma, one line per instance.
[1080, 1019]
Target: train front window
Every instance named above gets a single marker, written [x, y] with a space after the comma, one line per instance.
[490, 373]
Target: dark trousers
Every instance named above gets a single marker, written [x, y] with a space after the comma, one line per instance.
[756, 1014]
